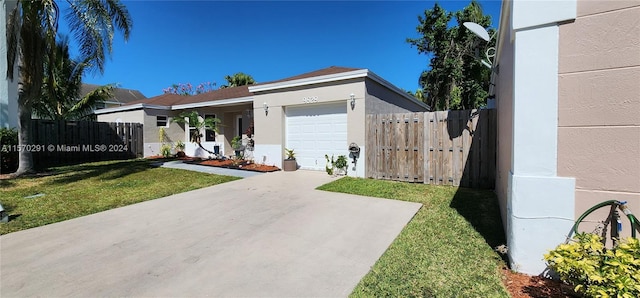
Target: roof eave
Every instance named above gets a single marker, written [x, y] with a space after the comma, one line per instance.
[213, 103]
[130, 108]
[360, 73]
[397, 90]
[309, 81]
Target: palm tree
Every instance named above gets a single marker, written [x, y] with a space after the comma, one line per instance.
[60, 93]
[238, 79]
[31, 39]
[197, 123]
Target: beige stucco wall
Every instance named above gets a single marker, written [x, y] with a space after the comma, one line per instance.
[270, 127]
[504, 109]
[135, 116]
[381, 100]
[176, 132]
[599, 102]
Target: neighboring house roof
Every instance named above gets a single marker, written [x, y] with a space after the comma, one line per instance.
[244, 94]
[121, 96]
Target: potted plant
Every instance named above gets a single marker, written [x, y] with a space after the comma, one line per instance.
[341, 164]
[290, 163]
[236, 144]
[180, 149]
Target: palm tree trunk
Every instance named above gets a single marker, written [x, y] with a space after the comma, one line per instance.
[25, 159]
[205, 149]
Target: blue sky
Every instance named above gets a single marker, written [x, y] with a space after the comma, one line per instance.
[200, 41]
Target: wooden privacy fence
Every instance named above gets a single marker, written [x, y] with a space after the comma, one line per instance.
[60, 142]
[441, 148]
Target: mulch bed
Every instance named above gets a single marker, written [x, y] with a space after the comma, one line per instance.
[237, 165]
[525, 286]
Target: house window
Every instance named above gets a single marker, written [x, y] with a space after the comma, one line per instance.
[162, 121]
[210, 134]
[193, 133]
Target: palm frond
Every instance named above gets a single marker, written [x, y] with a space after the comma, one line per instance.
[92, 24]
[120, 16]
[87, 103]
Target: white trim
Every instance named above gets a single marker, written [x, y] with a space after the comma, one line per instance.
[528, 14]
[360, 73]
[533, 227]
[112, 102]
[312, 80]
[213, 103]
[131, 107]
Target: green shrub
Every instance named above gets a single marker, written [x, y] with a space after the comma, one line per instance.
[165, 150]
[8, 154]
[332, 164]
[341, 163]
[595, 271]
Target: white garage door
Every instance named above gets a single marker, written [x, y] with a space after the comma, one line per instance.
[316, 130]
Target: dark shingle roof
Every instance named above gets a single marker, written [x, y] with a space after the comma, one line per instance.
[231, 92]
[316, 73]
[176, 99]
[120, 95]
[161, 100]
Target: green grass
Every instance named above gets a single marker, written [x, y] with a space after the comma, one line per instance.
[74, 191]
[446, 250]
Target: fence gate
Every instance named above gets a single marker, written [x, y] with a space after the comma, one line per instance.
[80, 141]
[441, 148]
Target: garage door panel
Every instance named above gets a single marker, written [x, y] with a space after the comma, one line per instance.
[315, 130]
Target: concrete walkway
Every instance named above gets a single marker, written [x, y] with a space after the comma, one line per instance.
[270, 235]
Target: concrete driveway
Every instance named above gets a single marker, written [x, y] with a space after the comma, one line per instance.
[268, 235]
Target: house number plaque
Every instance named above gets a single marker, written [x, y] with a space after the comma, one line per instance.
[310, 99]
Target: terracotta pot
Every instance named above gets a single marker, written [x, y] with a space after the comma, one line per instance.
[289, 165]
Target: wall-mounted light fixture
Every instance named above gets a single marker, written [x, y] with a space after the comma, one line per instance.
[353, 101]
[266, 108]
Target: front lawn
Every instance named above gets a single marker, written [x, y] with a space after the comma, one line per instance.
[446, 250]
[73, 191]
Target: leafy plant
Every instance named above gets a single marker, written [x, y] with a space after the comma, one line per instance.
[8, 156]
[595, 271]
[180, 146]
[290, 154]
[329, 163]
[165, 150]
[236, 142]
[341, 163]
[162, 135]
[333, 164]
